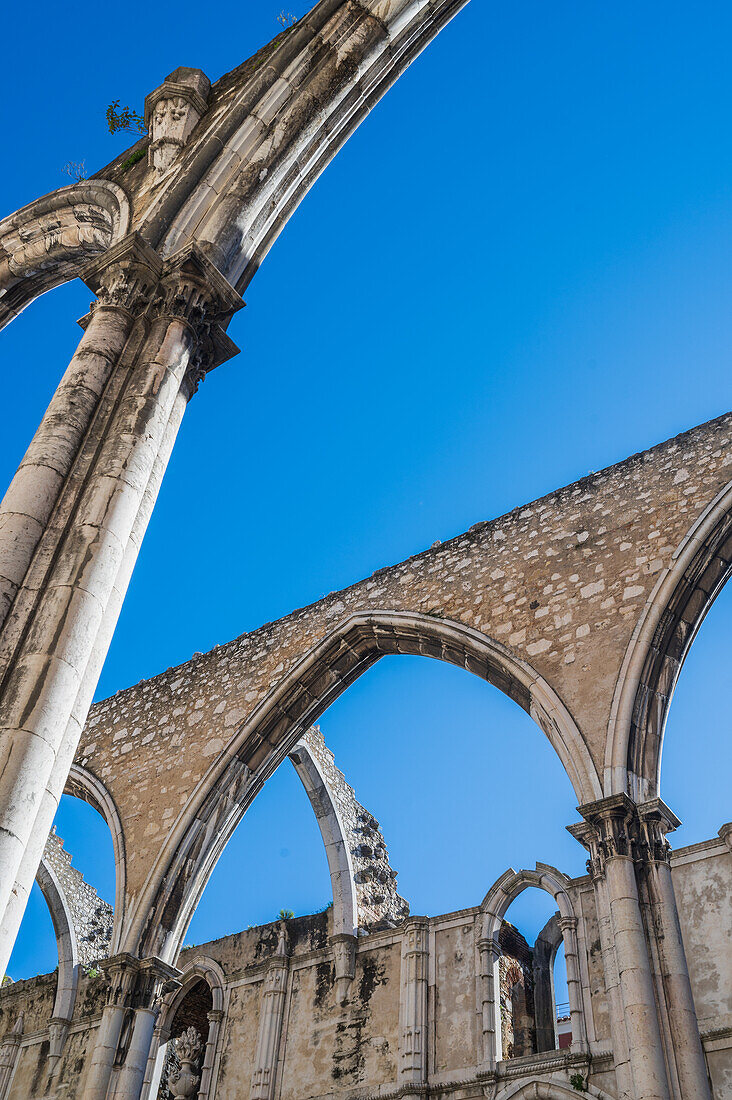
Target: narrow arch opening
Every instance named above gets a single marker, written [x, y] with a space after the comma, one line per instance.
[449, 768]
[190, 1018]
[77, 880]
[534, 1004]
[697, 747]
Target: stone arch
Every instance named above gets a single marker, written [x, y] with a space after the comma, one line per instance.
[66, 942]
[82, 924]
[354, 845]
[332, 830]
[50, 241]
[676, 608]
[300, 104]
[83, 784]
[200, 968]
[315, 681]
[494, 907]
[541, 1089]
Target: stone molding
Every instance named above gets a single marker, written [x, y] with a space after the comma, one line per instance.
[617, 827]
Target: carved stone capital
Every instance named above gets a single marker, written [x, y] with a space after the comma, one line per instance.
[138, 983]
[567, 924]
[609, 831]
[194, 291]
[125, 277]
[656, 820]
[490, 949]
[616, 827]
[415, 936]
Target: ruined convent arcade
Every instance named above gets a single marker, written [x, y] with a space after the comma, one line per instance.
[581, 607]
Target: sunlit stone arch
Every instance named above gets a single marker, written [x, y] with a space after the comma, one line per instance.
[183, 868]
[50, 241]
[270, 140]
[83, 784]
[671, 618]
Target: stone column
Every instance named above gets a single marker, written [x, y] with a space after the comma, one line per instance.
[271, 1013]
[122, 1046]
[49, 803]
[543, 955]
[215, 1016]
[413, 1002]
[344, 957]
[154, 1069]
[568, 926]
[122, 971]
[611, 839]
[80, 558]
[489, 1005]
[657, 820]
[9, 1049]
[32, 495]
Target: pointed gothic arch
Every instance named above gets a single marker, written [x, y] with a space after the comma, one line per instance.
[174, 887]
[494, 907]
[83, 784]
[540, 1089]
[674, 612]
[200, 968]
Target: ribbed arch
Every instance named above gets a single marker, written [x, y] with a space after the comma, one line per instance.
[48, 242]
[176, 883]
[675, 610]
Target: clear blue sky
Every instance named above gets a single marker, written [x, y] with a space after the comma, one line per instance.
[517, 271]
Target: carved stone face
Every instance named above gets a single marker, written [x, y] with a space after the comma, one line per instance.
[171, 123]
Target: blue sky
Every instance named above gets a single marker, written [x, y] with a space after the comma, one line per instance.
[516, 271]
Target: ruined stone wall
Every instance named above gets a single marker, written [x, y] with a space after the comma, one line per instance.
[91, 917]
[355, 1050]
[702, 877]
[560, 584]
[378, 903]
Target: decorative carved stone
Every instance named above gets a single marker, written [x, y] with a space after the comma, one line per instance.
[616, 826]
[125, 277]
[183, 1082]
[171, 113]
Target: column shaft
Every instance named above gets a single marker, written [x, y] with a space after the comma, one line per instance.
[271, 1013]
[31, 497]
[413, 1003]
[59, 641]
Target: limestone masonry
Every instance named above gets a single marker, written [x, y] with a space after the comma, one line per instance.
[581, 607]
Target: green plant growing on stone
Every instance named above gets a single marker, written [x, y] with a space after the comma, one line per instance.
[578, 1082]
[124, 119]
[286, 914]
[286, 18]
[133, 159]
[92, 971]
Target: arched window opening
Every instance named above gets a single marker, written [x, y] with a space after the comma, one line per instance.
[698, 732]
[68, 921]
[275, 861]
[442, 759]
[420, 741]
[535, 1014]
[190, 1016]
